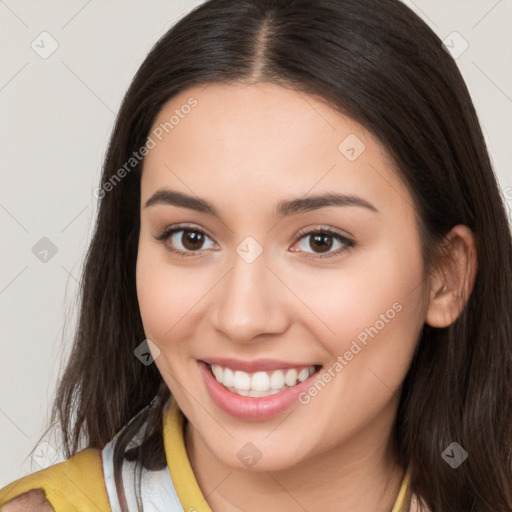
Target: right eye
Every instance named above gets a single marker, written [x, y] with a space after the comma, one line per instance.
[184, 240]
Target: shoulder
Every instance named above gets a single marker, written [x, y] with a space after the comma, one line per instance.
[76, 484]
[34, 500]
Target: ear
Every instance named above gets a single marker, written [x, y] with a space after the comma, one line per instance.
[453, 281]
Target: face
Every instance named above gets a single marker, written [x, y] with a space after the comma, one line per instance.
[280, 252]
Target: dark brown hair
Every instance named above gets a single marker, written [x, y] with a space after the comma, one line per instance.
[379, 63]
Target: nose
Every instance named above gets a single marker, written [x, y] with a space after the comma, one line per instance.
[250, 301]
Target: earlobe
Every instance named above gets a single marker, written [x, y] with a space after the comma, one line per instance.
[453, 282]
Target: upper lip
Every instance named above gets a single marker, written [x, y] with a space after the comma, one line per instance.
[252, 366]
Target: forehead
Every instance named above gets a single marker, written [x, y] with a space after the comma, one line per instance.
[265, 141]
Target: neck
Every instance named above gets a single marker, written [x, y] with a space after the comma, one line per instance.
[359, 475]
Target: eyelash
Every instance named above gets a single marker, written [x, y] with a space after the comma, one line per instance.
[348, 244]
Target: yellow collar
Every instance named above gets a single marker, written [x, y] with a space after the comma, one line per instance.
[183, 477]
[403, 500]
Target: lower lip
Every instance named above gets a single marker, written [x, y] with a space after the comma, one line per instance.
[251, 408]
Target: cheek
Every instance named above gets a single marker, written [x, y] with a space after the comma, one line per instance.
[159, 292]
[169, 295]
[377, 297]
[376, 312]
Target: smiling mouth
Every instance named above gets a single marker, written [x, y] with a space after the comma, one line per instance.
[262, 383]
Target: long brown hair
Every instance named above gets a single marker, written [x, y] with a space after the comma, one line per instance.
[379, 63]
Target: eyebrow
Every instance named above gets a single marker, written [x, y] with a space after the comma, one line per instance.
[283, 209]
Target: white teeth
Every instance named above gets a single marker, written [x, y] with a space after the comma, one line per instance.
[257, 394]
[290, 379]
[260, 384]
[260, 381]
[277, 380]
[228, 377]
[217, 371]
[242, 381]
[303, 374]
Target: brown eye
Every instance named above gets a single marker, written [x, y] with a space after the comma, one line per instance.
[185, 240]
[321, 242]
[192, 240]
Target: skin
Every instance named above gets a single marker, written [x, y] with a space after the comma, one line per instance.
[30, 501]
[244, 148]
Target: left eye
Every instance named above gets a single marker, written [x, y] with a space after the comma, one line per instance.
[322, 241]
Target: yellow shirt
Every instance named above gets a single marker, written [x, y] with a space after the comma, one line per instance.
[77, 485]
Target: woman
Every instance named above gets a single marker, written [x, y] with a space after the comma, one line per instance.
[297, 296]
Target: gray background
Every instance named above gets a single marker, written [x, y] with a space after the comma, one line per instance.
[56, 116]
